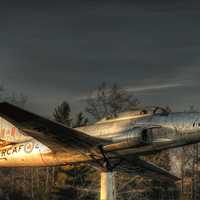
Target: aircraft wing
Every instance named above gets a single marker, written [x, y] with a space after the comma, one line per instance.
[135, 166]
[54, 135]
[141, 167]
[59, 138]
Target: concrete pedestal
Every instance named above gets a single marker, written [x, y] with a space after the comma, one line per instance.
[107, 186]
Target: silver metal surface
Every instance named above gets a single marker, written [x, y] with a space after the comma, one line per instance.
[107, 191]
[27, 139]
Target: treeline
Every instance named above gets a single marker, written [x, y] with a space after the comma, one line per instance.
[82, 182]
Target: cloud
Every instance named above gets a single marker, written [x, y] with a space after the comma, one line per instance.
[154, 87]
[144, 88]
[53, 53]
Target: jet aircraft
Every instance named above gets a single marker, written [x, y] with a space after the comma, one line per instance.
[27, 139]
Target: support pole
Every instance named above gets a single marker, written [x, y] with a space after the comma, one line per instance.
[107, 186]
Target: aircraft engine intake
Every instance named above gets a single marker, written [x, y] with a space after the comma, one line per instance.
[129, 139]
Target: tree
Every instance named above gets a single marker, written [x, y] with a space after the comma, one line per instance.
[72, 181]
[62, 114]
[17, 99]
[9, 176]
[107, 102]
[80, 120]
[110, 100]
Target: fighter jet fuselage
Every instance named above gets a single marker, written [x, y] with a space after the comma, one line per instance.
[19, 148]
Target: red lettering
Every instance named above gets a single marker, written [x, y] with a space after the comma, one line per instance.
[13, 131]
[2, 132]
[28, 147]
[8, 132]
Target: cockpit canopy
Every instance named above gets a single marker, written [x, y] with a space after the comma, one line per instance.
[125, 115]
[161, 111]
[137, 114]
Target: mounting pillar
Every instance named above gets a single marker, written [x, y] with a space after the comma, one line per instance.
[107, 186]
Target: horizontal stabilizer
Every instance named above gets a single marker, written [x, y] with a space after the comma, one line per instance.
[144, 168]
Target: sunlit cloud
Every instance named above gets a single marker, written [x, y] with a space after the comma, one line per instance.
[154, 87]
[144, 88]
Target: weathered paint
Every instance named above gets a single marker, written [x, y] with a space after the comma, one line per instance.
[11, 133]
[34, 153]
[22, 150]
[172, 124]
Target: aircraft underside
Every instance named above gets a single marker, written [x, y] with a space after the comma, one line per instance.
[33, 153]
[27, 139]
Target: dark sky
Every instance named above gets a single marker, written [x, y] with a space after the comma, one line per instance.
[60, 50]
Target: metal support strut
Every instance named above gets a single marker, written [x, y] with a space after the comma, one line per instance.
[108, 190]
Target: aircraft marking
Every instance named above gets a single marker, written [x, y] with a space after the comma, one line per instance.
[8, 132]
[27, 148]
